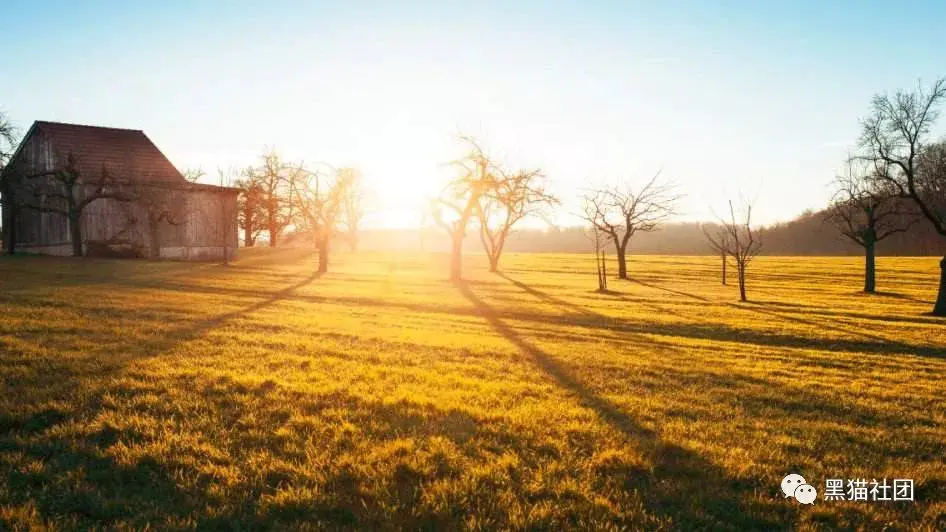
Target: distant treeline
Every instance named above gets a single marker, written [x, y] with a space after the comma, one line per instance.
[808, 234]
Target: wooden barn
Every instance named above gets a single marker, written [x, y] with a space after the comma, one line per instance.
[128, 199]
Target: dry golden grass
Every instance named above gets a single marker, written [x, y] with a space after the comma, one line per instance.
[179, 396]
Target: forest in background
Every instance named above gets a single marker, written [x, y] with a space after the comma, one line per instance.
[809, 234]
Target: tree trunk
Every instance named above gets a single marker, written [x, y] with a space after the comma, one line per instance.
[870, 285]
[273, 236]
[940, 308]
[75, 232]
[494, 263]
[724, 267]
[323, 245]
[622, 261]
[742, 282]
[598, 270]
[456, 257]
[602, 272]
[248, 236]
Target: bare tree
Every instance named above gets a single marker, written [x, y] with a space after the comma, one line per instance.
[320, 198]
[226, 211]
[895, 137]
[867, 210]
[251, 211]
[511, 198]
[64, 191]
[718, 238]
[353, 209]
[162, 206]
[620, 212]
[739, 240]
[599, 241]
[460, 198]
[931, 189]
[8, 179]
[193, 175]
[8, 139]
[276, 181]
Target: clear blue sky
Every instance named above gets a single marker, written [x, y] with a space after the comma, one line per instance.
[761, 98]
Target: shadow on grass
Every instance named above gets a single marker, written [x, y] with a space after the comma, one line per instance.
[670, 290]
[587, 319]
[753, 307]
[878, 344]
[683, 485]
[367, 479]
[547, 298]
[46, 377]
[896, 295]
[201, 326]
[818, 311]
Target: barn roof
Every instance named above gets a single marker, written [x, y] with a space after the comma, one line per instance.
[128, 154]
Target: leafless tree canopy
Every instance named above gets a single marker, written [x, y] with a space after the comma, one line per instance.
[718, 238]
[459, 201]
[512, 197]
[353, 208]
[59, 191]
[621, 211]
[320, 198]
[865, 208]
[251, 206]
[8, 143]
[275, 180]
[740, 241]
[895, 138]
[8, 140]
[931, 180]
[193, 175]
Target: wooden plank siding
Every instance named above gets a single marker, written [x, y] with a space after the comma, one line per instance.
[204, 224]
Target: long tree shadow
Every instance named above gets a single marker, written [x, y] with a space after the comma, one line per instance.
[876, 317]
[905, 297]
[548, 298]
[203, 325]
[878, 344]
[586, 319]
[794, 319]
[696, 493]
[54, 390]
[54, 372]
[725, 333]
[669, 290]
[592, 320]
[641, 301]
[584, 311]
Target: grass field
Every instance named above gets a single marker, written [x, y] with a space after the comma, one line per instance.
[177, 395]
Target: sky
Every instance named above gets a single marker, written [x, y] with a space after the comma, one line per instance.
[737, 99]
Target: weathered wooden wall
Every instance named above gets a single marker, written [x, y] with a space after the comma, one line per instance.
[210, 225]
[35, 228]
[204, 224]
